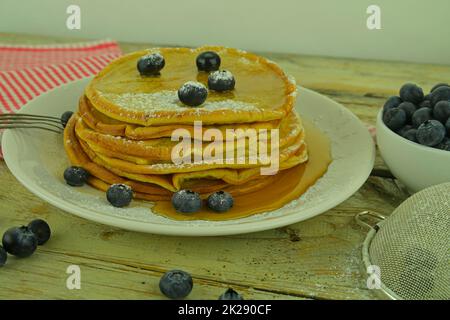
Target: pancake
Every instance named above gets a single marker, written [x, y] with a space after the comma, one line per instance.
[263, 92]
[101, 123]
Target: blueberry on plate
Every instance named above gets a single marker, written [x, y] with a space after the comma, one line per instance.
[420, 116]
[192, 93]
[230, 294]
[220, 201]
[221, 80]
[409, 109]
[186, 201]
[392, 102]
[65, 117]
[439, 85]
[441, 111]
[208, 61]
[76, 176]
[3, 256]
[439, 94]
[119, 195]
[41, 230]
[411, 93]
[411, 135]
[176, 284]
[19, 241]
[430, 133]
[394, 118]
[151, 64]
[444, 145]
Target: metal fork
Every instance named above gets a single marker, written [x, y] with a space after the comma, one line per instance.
[31, 121]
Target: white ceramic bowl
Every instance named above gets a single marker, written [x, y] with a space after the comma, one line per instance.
[416, 166]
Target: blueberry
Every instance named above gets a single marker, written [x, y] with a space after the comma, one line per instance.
[65, 117]
[403, 130]
[230, 294]
[394, 118]
[3, 256]
[186, 201]
[119, 195]
[411, 135]
[75, 176]
[392, 102]
[192, 93]
[19, 241]
[176, 284]
[444, 145]
[150, 64]
[220, 201]
[411, 93]
[439, 94]
[420, 116]
[221, 80]
[208, 61]
[425, 104]
[430, 133]
[447, 126]
[41, 230]
[439, 85]
[441, 111]
[409, 109]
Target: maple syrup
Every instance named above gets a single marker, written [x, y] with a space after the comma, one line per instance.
[286, 186]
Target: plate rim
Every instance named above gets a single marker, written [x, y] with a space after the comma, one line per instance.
[180, 230]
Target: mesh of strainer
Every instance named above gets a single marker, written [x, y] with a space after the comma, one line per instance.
[412, 247]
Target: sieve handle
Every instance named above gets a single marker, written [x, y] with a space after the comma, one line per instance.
[360, 219]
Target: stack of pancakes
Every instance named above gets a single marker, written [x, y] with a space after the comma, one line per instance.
[122, 130]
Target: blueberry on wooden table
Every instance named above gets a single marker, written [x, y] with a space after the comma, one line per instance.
[19, 241]
[41, 229]
[230, 294]
[176, 284]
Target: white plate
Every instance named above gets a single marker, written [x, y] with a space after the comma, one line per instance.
[37, 159]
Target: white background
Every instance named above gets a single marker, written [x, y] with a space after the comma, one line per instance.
[412, 30]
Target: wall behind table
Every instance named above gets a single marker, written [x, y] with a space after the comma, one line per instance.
[412, 30]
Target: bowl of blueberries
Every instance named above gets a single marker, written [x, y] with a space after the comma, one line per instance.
[413, 135]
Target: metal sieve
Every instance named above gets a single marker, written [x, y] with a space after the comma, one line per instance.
[409, 251]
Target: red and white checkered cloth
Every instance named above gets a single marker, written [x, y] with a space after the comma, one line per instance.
[26, 71]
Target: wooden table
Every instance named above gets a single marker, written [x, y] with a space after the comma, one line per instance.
[316, 259]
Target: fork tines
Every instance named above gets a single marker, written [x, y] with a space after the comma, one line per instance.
[31, 121]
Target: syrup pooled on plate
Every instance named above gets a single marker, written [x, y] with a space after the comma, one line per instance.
[286, 186]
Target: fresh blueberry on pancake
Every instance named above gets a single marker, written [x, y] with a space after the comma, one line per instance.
[41, 230]
[192, 93]
[421, 115]
[220, 201]
[221, 80]
[65, 117]
[186, 201]
[151, 64]
[431, 133]
[411, 93]
[19, 241]
[119, 195]
[208, 61]
[441, 111]
[176, 284]
[394, 118]
[75, 176]
[230, 294]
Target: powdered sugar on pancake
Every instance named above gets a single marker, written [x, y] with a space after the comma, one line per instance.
[152, 103]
